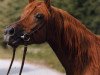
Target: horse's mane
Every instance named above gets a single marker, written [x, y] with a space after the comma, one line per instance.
[73, 27]
[81, 45]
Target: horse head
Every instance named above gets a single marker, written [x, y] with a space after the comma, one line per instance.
[32, 25]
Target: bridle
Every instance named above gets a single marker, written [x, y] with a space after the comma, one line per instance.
[26, 38]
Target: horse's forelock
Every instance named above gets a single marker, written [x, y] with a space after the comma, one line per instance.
[34, 5]
[31, 10]
[31, 1]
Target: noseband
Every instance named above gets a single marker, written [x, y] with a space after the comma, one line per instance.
[27, 36]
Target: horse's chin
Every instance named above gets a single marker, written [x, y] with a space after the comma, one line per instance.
[12, 43]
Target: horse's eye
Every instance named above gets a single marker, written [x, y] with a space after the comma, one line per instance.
[39, 16]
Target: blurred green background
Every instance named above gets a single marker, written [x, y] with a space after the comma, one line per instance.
[87, 11]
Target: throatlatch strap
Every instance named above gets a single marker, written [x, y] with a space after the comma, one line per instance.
[14, 51]
[23, 60]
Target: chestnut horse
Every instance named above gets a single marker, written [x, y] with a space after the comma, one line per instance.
[76, 47]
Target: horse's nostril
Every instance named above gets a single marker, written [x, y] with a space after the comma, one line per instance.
[11, 31]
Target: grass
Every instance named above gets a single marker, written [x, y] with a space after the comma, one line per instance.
[38, 54]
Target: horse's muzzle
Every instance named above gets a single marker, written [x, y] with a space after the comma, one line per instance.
[9, 35]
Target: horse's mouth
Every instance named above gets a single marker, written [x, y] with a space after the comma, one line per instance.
[8, 40]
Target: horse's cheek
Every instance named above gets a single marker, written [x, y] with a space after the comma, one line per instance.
[40, 36]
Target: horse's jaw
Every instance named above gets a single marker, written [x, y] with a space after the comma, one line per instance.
[9, 41]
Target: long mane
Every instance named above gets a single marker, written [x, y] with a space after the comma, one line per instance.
[78, 43]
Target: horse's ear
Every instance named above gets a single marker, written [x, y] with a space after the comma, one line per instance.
[47, 2]
[31, 1]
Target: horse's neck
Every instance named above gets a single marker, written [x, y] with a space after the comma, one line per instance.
[70, 41]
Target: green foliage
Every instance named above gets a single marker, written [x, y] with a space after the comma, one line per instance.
[10, 10]
[87, 11]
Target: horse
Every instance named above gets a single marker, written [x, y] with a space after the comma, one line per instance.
[76, 47]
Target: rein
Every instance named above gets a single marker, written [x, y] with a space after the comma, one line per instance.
[14, 51]
[23, 60]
